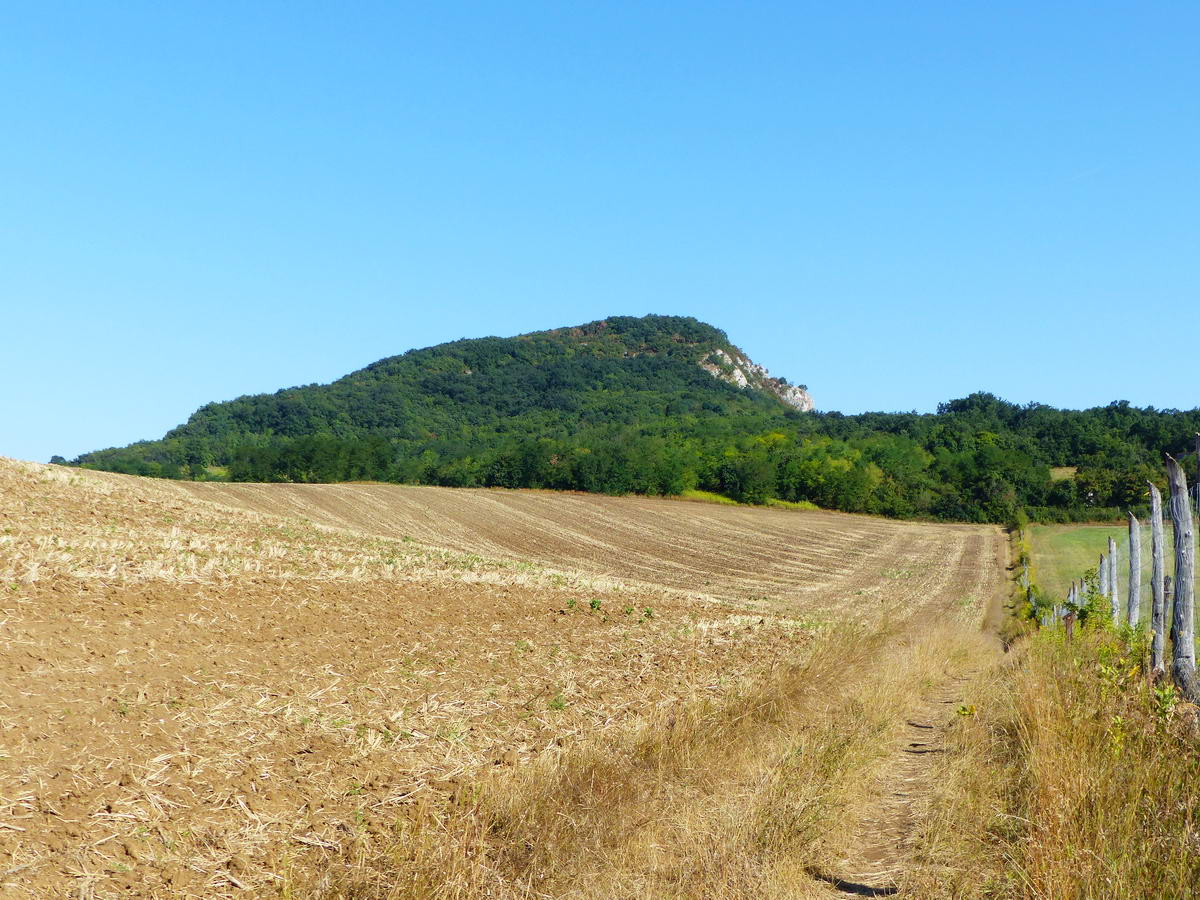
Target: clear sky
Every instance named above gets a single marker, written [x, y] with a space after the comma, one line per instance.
[894, 203]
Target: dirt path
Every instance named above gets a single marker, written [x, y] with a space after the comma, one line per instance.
[877, 860]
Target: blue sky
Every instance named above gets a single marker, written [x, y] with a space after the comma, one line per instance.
[895, 203]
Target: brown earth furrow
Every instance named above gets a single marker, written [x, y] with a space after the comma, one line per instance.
[785, 557]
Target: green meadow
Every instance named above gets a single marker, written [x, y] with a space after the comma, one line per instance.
[1061, 553]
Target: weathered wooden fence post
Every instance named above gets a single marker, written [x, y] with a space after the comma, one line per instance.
[1102, 576]
[1169, 605]
[1114, 596]
[1183, 653]
[1158, 606]
[1133, 603]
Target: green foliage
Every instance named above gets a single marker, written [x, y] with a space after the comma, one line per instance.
[1166, 698]
[622, 406]
[1039, 604]
[707, 497]
[1093, 608]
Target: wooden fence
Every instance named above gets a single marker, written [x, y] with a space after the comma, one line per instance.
[1179, 609]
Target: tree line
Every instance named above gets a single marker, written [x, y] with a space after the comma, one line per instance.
[977, 459]
[625, 405]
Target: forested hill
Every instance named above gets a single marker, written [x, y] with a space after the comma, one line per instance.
[663, 405]
[462, 400]
[617, 371]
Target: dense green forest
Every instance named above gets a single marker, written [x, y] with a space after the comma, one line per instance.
[624, 406]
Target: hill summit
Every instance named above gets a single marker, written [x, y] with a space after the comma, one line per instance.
[462, 398]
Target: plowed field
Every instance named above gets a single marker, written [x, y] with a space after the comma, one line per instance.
[212, 688]
[821, 560]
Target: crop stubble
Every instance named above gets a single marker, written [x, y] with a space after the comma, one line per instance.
[211, 686]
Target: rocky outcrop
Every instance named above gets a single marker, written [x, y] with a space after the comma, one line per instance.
[738, 369]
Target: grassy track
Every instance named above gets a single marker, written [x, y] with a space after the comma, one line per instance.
[1062, 553]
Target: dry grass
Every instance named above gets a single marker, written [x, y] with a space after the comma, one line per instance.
[969, 839]
[1076, 778]
[1114, 801]
[758, 794]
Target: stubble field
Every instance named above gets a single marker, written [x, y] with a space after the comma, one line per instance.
[266, 690]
